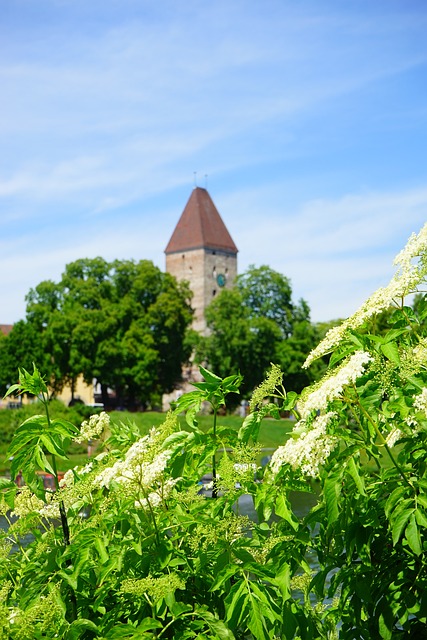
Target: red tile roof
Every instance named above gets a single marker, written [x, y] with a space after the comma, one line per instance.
[200, 226]
[5, 329]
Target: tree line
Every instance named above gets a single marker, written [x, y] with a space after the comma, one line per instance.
[127, 326]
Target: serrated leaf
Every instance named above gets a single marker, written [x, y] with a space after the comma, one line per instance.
[249, 428]
[218, 627]
[283, 581]
[77, 627]
[412, 536]
[50, 443]
[357, 478]
[290, 400]
[12, 389]
[42, 461]
[421, 517]
[393, 499]
[222, 576]
[210, 377]
[256, 622]
[391, 352]
[283, 509]
[399, 524]
[332, 492]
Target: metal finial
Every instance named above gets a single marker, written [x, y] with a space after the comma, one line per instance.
[206, 180]
[195, 178]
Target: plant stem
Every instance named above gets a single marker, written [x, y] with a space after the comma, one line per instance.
[387, 448]
[214, 485]
[62, 512]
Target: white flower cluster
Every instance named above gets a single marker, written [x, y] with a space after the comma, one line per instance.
[26, 502]
[420, 401]
[404, 282]
[309, 451]
[142, 464]
[331, 386]
[394, 435]
[243, 467]
[91, 429]
[69, 476]
[155, 498]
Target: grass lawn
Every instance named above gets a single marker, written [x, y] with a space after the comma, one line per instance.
[272, 433]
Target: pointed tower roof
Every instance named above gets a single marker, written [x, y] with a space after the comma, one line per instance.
[200, 227]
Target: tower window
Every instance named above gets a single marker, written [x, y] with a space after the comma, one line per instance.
[213, 293]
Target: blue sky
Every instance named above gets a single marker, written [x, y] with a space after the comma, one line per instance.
[309, 119]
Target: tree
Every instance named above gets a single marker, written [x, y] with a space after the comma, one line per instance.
[20, 348]
[257, 323]
[120, 323]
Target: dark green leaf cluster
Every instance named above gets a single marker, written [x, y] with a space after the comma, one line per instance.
[257, 323]
[120, 323]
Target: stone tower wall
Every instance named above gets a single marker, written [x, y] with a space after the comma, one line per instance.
[201, 267]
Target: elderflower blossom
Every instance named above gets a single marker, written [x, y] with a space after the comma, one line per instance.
[91, 429]
[156, 588]
[309, 451]
[394, 435]
[267, 387]
[331, 386]
[142, 464]
[404, 282]
[155, 498]
[26, 502]
[420, 401]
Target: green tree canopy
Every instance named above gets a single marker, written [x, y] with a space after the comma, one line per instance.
[257, 323]
[121, 323]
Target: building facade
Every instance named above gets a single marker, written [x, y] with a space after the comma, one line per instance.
[202, 252]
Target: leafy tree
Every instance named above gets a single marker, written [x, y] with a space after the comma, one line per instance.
[257, 323]
[21, 345]
[120, 323]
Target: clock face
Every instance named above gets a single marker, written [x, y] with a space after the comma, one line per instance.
[220, 279]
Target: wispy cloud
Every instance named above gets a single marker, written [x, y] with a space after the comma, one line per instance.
[308, 118]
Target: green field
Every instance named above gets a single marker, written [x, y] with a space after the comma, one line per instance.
[272, 433]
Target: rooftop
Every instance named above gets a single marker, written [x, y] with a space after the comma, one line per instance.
[200, 227]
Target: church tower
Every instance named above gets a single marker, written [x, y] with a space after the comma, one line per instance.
[202, 252]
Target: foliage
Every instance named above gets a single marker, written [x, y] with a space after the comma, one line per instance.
[158, 555]
[120, 323]
[155, 556]
[257, 323]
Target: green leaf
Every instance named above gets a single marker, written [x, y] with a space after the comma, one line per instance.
[53, 447]
[332, 493]
[222, 576]
[218, 627]
[283, 580]
[41, 460]
[385, 625]
[5, 483]
[12, 389]
[421, 517]
[358, 479]
[412, 536]
[101, 549]
[391, 352]
[399, 524]
[210, 377]
[394, 498]
[290, 400]
[78, 627]
[284, 510]
[256, 622]
[250, 428]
